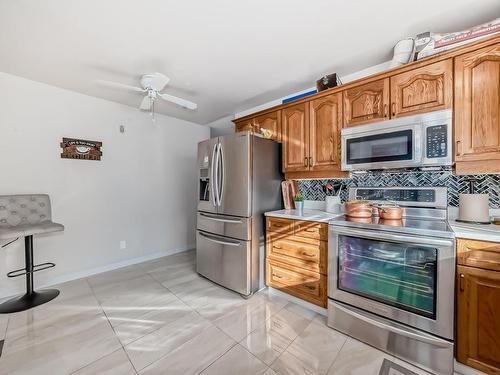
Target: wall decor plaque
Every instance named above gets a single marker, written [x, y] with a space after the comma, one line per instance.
[81, 149]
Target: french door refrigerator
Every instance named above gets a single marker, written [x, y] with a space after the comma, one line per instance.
[239, 179]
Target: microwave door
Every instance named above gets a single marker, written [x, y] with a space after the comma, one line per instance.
[207, 199]
[382, 148]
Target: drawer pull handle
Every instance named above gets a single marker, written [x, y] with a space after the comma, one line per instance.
[308, 255]
[462, 277]
[312, 230]
[310, 287]
[276, 247]
[277, 276]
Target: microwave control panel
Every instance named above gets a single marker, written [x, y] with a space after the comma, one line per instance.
[436, 139]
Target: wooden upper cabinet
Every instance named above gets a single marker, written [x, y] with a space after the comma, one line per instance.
[325, 126]
[270, 121]
[478, 318]
[241, 126]
[477, 111]
[366, 103]
[424, 89]
[295, 137]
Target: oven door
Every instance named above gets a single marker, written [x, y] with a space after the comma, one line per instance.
[381, 147]
[401, 277]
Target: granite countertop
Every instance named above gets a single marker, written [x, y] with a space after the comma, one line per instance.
[481, 232]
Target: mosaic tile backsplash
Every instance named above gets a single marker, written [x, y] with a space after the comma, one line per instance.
[312, 189]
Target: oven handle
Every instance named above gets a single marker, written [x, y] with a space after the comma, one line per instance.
[394, 237]
[399, 331]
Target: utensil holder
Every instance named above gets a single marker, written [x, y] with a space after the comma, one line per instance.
[332, 203]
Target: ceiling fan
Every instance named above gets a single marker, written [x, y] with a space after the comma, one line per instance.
[151, 85]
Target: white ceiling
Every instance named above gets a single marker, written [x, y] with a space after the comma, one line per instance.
[226, 55]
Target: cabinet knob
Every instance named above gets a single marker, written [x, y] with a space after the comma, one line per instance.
[393, 109]
[385, 110]
[306, 161]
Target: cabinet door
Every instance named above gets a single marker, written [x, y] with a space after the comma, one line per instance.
[270, 121]
[241, 126]
[295, 123]
[326, 123]
[429, 88]
[478, 318]
[477, 109]
[366, 103]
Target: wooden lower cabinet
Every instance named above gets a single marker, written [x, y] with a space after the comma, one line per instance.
[296, 258]
[478, 313]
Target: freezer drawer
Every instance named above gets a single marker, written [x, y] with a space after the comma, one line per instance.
[225, 261]
[223, 225]
[422, 349]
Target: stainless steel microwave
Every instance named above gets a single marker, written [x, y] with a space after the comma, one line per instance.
[422, 140]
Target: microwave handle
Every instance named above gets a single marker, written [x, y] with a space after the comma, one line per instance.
[396, 330]
[391, 236]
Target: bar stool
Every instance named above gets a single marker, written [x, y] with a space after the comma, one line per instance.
[25, 216]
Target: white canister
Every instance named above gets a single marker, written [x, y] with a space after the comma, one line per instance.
[332, 204]
[474, 207]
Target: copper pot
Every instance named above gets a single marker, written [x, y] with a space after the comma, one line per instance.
[390, 211]
[358, 208]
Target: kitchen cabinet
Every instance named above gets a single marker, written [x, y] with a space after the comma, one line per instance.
[311, 136]
[477, 111]
[244, 125]
[478, 304]
[324, 131]
[424, 89]
[297, 258]
[366, 103]
[270, 121]
[295, 135]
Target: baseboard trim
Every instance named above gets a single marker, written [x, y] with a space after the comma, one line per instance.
[298, 301]
[94, 271]
[462, 369]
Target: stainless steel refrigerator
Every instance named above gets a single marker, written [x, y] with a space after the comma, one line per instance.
[239, 179]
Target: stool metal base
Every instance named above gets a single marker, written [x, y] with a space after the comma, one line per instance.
[28, 301]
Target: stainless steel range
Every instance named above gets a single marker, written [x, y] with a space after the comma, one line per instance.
[391, 283]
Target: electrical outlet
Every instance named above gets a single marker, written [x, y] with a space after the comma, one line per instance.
[123, 245]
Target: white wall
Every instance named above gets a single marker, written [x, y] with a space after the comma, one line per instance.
[221, 126]
[345, 79]
[142, 191]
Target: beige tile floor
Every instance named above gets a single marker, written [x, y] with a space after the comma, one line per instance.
[160, 317]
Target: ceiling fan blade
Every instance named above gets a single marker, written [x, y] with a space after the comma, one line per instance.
[179, 101]
[120, 86]
[146, 103]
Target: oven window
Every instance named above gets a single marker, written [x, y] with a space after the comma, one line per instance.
[396, 274]
[380, 147]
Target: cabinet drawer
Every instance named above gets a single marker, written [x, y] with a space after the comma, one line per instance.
[479, 254]
[279, 225]
[309, 229]
[309, 286]
[304, 255]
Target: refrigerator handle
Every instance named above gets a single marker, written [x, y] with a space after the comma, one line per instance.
[222, 173]
[216, 178]
[212, 177]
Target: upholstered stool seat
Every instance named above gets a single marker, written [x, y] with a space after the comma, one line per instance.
[25, 216]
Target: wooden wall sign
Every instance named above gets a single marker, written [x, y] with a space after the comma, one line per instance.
[81, 149]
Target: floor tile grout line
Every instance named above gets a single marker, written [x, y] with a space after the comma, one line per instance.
[291, 342]
[223, 354]
[184, 343]
[109, 322]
